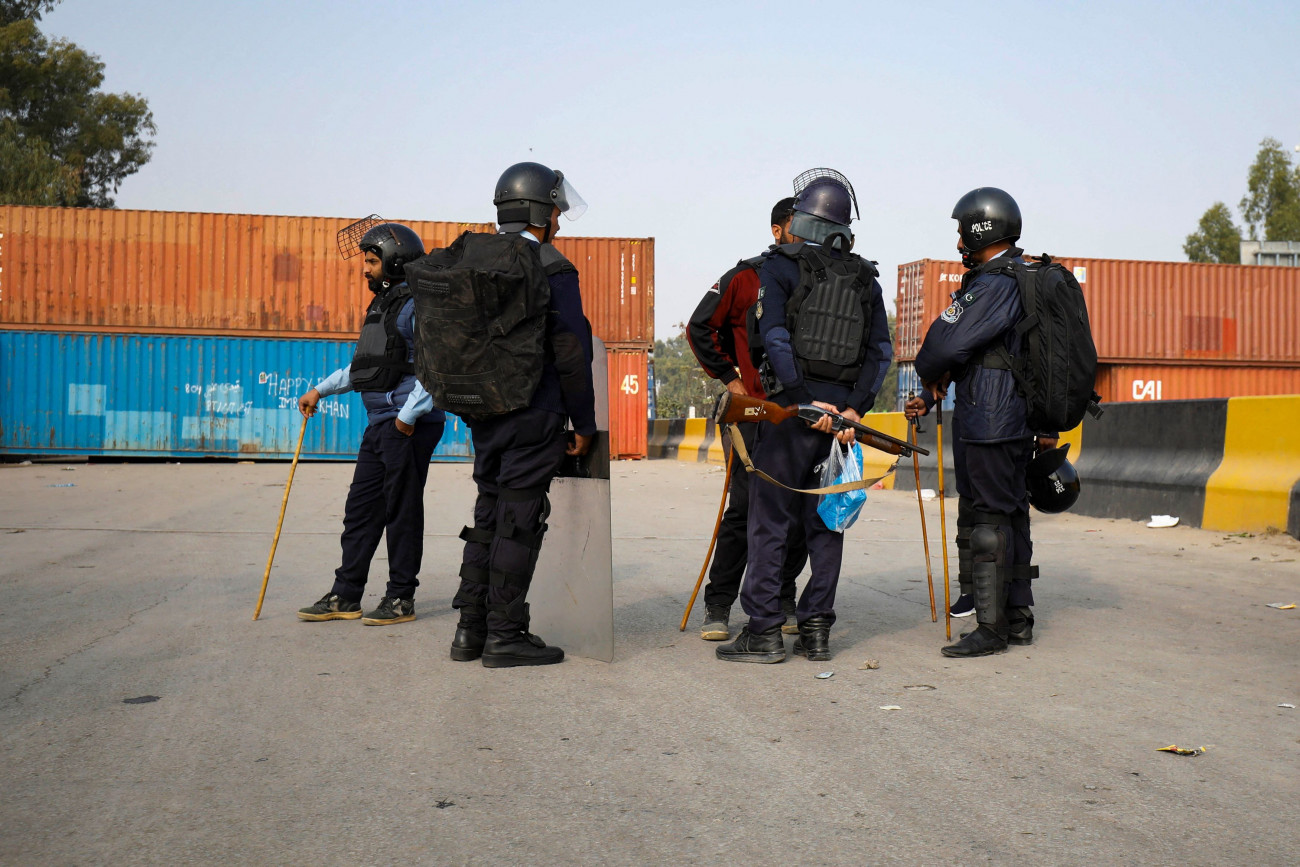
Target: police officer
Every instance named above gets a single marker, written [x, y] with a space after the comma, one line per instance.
[387, 492]
[810, 291]
[718, 337]
[991, 440]
[517, 455]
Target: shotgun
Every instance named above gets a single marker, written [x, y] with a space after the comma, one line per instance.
[733, 408]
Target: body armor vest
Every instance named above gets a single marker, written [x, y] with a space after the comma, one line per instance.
[381, 359]
[828, 313]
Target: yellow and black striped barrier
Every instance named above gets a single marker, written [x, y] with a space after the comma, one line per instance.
[1231, 464]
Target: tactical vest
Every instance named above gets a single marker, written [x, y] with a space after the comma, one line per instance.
[829, 313]
[381, 358]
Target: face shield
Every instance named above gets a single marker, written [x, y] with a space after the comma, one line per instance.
[567, 199]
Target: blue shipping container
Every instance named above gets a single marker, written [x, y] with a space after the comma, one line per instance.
[154, 395]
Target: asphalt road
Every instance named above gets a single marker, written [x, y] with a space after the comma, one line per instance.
[282, 742]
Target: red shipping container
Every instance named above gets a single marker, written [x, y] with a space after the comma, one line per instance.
[1147, 311]
[627, 401]
[1118, 383]
[170, 272]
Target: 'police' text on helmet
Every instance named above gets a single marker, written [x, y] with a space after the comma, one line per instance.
[1052, 481]
[985, 216]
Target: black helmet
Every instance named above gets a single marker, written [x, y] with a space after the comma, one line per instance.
[395, 245]
[1052, 481]
[824, 205]
[526, 193]
[985, 216]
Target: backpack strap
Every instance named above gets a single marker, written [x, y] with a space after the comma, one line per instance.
[553, 261]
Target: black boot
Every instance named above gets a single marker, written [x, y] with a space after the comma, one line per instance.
[990, 637]
[814, 639]
[471, 633]
[509, 643]
[1020, 626]
[765, 647]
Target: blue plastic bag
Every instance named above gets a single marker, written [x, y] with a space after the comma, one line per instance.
[839, 511]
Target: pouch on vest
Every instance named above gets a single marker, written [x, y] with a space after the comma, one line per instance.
[381, 358]
[480, 323]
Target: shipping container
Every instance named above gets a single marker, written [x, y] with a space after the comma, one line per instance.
[159, 395]
[1147, 311]
[165, 272]
[1119, 383]
[628, 389]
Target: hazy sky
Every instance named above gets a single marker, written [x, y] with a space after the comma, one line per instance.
[1115, 125]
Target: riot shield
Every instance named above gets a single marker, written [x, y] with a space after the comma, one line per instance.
[572, 594]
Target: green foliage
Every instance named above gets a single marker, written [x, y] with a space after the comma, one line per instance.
[1216, 239]
[1272, 200]
[53, 110]
[887, 398]
[680, 383]
[17, 10]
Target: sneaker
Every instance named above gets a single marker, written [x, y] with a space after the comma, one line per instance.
[331, 607]
[964, 606]
[791, 625]
[390, 611]
[715, 626]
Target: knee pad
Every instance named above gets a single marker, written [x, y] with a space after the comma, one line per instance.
[987, 544]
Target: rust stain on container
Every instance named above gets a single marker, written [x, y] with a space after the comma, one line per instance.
[243, 274]
[1147, 311]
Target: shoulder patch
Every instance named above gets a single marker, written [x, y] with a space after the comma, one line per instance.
[716, 288]
[758, 310]
[953, 313]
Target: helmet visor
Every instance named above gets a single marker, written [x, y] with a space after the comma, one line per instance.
[570, 203]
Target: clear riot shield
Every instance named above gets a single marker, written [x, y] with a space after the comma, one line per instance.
[572, 594]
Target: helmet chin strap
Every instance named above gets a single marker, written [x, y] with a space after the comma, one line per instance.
[968, 260]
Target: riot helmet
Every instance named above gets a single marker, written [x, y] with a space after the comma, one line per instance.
[985, 216]
[824, 206]
[526, 193]
[1052, 481]
[395, 245]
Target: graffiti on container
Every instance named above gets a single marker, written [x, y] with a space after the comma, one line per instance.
[225, 398]
[281, 385]
[327, 406]
[1147, 389]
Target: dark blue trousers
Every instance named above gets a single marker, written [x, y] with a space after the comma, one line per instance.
[732, 549]
[386, 496]
[789, 453]
[515, 458]
[992, 476]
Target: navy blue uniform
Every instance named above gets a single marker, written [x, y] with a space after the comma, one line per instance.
[515, 458]
[792, 452]
[991, 440]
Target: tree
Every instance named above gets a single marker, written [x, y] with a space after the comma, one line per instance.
[1272, 200]
[1216, 239]
[55, 121]
[679, 382]
[887, 397]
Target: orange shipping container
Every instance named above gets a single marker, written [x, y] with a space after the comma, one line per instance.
[1147, 311]
[241, 274]
[627, 401]
[1118, 383]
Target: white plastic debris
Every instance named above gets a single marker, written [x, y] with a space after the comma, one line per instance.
[1288, 705]
[891, 707]
[825, 674]
[928, 494]
[1161, 521]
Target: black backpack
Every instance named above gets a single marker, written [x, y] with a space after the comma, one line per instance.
[1057, 368]
[480, 323]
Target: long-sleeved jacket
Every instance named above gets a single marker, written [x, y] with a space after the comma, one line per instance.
[566, 386]
[779, 278]
[717, 331]
[983, 312]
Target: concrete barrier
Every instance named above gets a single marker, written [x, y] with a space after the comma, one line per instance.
[1228, 464]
